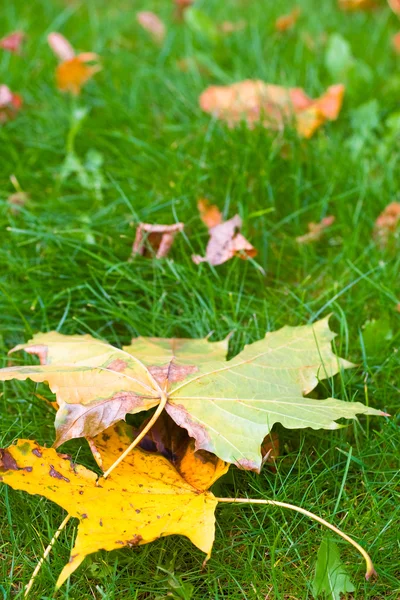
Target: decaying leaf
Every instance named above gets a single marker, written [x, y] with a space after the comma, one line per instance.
[13, 42]
[316, 230]
[354, 5]
[145, 497]
[155, 240]
[225, 240]
[152, 24]
[74, 71]
[228, 407]
[387, 224]
[395, 6]
[254, 101]
[288, 21]
[10, 104]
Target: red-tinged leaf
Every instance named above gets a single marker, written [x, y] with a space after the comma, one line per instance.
[13, 42]
[316, 230]
[387, 224]
[10, 104]
[288, 21]
[153, 24]
[155, 240]
[60, 46]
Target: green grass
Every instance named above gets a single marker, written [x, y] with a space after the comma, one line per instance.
[64, 265]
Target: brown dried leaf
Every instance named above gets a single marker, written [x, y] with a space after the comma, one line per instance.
[315, 230]
[288, 21]
[155, 239]
[271, 105]
[153, 24]
[13, 42]
[387, 224]
[10, 104]
[225, 242]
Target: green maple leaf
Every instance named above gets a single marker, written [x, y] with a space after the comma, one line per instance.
[330, 578]
[228, 407]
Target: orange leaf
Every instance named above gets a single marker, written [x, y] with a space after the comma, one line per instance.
[155, 239]
[396, 42]
[209, 213]
[286, 22]
[353, 5]
[72, 74]
[153, 24]
[316, 230]
[13, 42]
[387, 224]
[395, 6]
[272, 106]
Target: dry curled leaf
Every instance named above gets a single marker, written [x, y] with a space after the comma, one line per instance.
[395, 6]
[254, 101]
[316, 230]
[354, 5]
[145, 497]
[74, 71]
[10, 104]
[152, 24]
[387, 224]
[288, 21]
[225, 240]
[155, 240]
[228, 407]
[13, 42]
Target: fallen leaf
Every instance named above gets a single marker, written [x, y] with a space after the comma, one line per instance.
[153, 24]
[396, 42]
[10, 104]
[271, 105]
[395, 6]
[13, 42]
[225, 242]
[17, 200]
[228, 27]
[155, 240]
[145, 498]
[181, 6]
[209, 213]
[316, 230]
[331, 578]
[73, 72]
[288, 21]
[60, 46]
[270, 448]
[228, 407]
[354, 5]
[386, 225]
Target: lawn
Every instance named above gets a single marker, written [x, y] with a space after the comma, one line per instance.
[153, 153]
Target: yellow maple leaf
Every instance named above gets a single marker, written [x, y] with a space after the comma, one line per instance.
[72, 74]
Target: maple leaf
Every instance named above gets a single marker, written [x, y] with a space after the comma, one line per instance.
[153, 24]
[271, 105]
[288, 21]
[144, 499]
[316, 230]
[73, 72]
[228, 407]
[225, 241]
[10, 104]
[155, 239]
[13, 42]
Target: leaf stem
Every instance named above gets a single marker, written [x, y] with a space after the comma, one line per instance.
[45, 555]
[160, 408]
[370, 567]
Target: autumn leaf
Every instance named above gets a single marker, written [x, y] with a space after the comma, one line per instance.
[155, 240]
[145, 497]
[152, 23]
[10, 104]
[354, 5]
[271, 105]
[286, 22]
[73, 72]
[225, 240]
[396, 42]
[228, 407]
[181, 6]
[316, 230]
[387, 224]
[395, 6]
[13, 42]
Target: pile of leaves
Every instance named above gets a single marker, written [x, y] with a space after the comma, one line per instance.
[210, 413]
